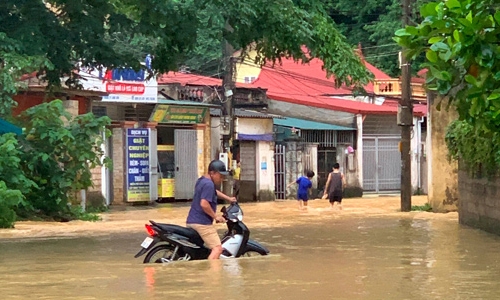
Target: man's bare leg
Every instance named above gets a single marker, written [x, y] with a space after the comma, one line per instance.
[216, 252]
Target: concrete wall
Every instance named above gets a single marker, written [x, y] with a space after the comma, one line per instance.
[478, 204]
[215, 138]
[442, 174]
[253, 125]
[118, 157]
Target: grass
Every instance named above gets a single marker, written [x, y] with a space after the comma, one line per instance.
[425, 207]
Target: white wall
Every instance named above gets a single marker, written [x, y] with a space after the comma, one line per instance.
[253, 126]
[265, 159]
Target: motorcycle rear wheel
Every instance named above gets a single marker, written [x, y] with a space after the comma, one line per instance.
[161, 254]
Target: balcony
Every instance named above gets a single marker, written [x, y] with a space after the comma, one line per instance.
[392, 87]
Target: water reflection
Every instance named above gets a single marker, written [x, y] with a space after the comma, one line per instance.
[341, 256]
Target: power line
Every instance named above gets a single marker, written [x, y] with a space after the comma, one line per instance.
[379, 46]
[382, 55]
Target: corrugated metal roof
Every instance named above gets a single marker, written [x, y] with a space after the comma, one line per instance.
[7, 127]
[242, 113]
[308, 125]
[195, 79]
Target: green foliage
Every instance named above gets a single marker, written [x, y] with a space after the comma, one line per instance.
[9, 199]
[460, 40]
[373, 23]
[426, 207]
[280, 29]
[77, 212]
[13, 65]
[60, 153]
[13, 181]
[11, 171]
[478, 150]
[52, 36]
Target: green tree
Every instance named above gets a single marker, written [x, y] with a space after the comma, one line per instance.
[373, 23]
[97, 32]
[13, 180]
[59, 154]
[460, 39]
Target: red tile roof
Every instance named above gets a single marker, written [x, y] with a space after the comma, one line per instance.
[307, 84]
[298, 83]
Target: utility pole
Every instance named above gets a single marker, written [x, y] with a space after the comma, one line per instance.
[405, 120]
[227, 109]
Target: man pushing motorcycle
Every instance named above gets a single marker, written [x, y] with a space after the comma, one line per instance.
[202, 213]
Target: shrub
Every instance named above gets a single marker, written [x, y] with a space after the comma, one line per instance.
[60, 153]
[9, 199]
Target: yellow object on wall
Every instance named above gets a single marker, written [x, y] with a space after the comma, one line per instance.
[166, 187]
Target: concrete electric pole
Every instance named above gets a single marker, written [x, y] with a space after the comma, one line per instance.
[405, 120]
[227, 109]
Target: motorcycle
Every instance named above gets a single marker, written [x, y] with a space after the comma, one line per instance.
[169, 242]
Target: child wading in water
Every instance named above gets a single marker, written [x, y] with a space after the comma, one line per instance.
[335, 186]
[303, 190]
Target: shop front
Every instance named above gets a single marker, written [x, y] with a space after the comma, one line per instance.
[183, 143]
[158, 150]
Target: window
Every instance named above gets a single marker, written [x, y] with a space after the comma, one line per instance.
[250, 79]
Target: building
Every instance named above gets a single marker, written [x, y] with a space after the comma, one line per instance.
[253, 142]
[371, 148]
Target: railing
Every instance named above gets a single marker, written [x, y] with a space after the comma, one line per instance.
[392, 87]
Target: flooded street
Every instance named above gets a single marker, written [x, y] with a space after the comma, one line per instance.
[367, 251]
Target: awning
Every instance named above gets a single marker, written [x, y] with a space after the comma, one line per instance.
[6, 127]
[308, 125]
[268, 137]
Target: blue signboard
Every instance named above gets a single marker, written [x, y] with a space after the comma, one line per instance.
[138, 164]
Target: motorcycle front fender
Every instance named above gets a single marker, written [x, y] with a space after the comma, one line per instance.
[256, 246]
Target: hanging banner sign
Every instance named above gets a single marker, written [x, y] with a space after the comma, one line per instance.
[137, 156]
[178, 114]
[121, 84]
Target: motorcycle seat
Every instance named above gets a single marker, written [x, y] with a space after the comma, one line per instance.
[190, 233]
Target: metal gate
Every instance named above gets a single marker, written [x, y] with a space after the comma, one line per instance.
[279, 172]
[381, 164]
[153, 164]
[186, 163]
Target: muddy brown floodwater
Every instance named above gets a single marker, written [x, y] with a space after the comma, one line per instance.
[369, 250]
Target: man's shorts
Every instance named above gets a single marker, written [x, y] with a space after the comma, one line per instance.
[208, 233]
[335, 198]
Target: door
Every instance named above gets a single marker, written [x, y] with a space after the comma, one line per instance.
[248, 176]
[279, 172]
[381, 164]
[327, 157]
[186, 163]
